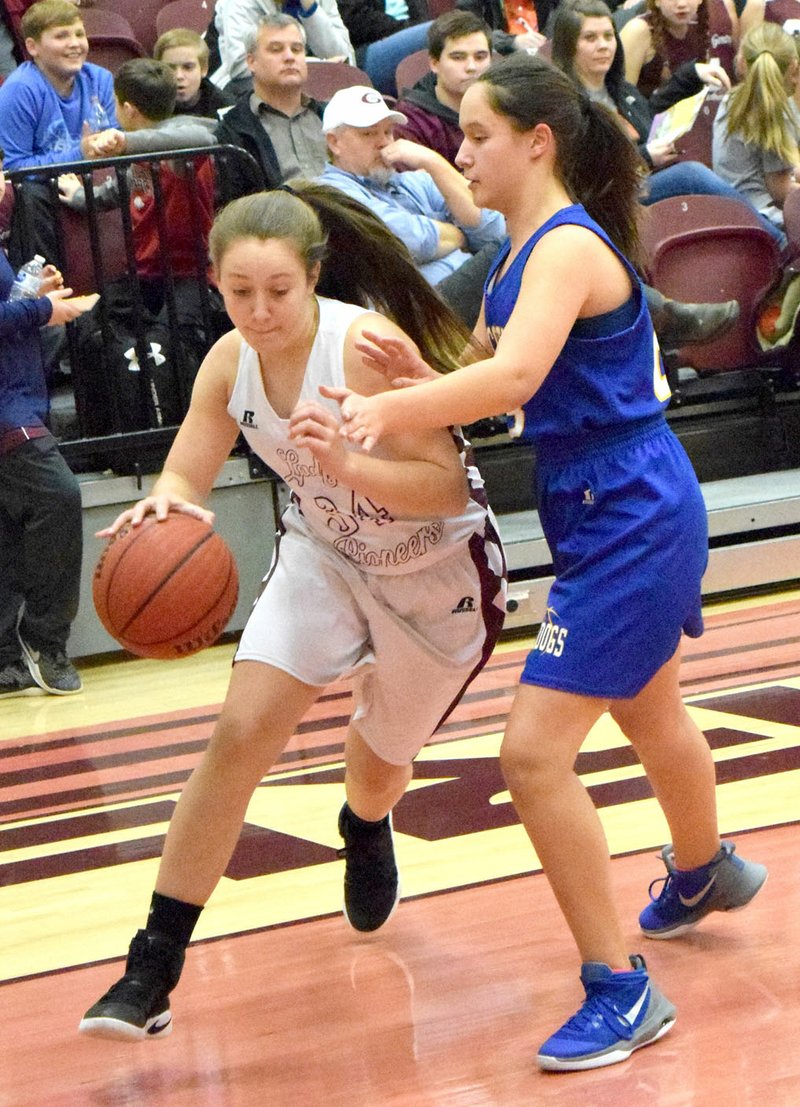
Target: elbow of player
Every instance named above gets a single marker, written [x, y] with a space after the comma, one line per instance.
[519, 388]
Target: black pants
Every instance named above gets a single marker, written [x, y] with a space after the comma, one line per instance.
[41, 546]
[33, 225]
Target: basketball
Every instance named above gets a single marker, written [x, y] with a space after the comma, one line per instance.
[167, 589]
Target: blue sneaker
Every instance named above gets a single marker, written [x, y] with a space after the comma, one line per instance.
[726, 883]
[623, 1011]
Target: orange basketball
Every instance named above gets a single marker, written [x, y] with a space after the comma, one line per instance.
[166, 589]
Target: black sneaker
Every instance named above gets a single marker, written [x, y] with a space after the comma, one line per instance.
[371, 887]
[16, 680]
[54, 671]
[137, 1006]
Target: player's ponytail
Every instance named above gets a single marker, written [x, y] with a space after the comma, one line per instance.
[596, 161]
[362, 261]
[605, 172]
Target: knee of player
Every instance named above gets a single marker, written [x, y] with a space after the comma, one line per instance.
[522, 764]
[237, 740]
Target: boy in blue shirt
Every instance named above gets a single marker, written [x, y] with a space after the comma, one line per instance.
[45, 108]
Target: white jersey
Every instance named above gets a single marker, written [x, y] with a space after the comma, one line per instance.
[364, 532]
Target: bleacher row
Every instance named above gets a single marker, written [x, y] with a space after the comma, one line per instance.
[698, 248]
[121, 29]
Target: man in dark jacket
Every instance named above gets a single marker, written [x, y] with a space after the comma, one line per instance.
[277, 124]
[460, 50]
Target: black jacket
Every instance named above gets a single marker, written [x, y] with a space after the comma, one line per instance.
[367, 21]
[640, 112]
[210, 101]
[239, 127]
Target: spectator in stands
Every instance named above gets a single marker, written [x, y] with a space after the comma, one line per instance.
[756, 130]
[460, 50]
[514, 26]
[11, 13]
[587, 47]
[45, 107]
[786, 13]
[672, 32]
[325, 35]
[186, 53]
[278, 124]
[429, 207]
[40, 502]
[145, 92]
[384, 32]
[45, 103]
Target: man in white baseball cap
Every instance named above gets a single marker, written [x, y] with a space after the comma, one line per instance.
[428, 205]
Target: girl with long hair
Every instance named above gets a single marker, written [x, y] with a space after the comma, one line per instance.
[757, 127]
[670, 33]
[388, 567]
[587, 47]
[575, 356]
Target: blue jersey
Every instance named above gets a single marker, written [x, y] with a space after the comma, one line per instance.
[617, 496]
[596, 383]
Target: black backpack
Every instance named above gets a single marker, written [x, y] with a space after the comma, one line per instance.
[131, 371]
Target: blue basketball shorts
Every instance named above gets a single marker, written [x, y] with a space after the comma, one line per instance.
[627, 527]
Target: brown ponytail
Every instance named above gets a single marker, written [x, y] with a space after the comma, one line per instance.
[362, 261]
[597, 163]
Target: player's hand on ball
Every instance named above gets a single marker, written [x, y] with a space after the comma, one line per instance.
[160, 506]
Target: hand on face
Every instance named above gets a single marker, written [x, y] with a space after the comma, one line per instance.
[407, 153]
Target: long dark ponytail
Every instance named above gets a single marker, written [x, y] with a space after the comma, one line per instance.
[362, 261]
[598, 164]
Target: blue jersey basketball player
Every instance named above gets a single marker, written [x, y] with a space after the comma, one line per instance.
[574, 349]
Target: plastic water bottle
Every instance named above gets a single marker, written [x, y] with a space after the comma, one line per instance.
[98, 119]
[29, 280]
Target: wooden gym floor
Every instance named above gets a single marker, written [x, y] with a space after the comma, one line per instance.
[282, 1004]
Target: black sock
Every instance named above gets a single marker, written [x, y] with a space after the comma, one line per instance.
[363, 824]
[173, 918]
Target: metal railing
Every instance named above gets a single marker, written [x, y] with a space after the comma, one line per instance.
[121, 420]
